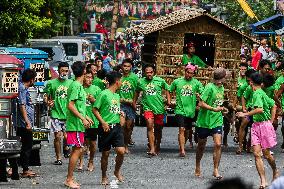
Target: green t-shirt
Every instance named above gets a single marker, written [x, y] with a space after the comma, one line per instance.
[186, 95]
[277, 86]
[108, 104]
[270, 91]
[194, 60]
[94, 91]
[99, 83]
[214, 97]
[261, 100]
[76, 93]
[248, 93]
[242, 85]
[128, 86]
[57, 90]
[152, 99]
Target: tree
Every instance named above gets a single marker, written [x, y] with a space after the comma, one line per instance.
[236, 17]
[20, 19]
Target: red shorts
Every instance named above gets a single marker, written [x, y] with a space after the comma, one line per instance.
[158, 118]
[75, 138]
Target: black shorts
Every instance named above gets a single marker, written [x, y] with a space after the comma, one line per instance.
[203, 133]
[91, 134]
[113, 138]
[183, 121]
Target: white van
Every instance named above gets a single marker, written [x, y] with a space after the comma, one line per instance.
[74, 47]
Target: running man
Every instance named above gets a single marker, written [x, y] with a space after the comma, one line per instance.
[107, 111]
[56, 91]
[77, 120]
[187, 91]
[210, 120]
[91, 133]
[127, 93]
[263, 136]
[153, 106]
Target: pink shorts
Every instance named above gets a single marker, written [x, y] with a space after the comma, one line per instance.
[75, 138]
[263, 134]
[158, 118]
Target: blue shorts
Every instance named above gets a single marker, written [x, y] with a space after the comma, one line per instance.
[129, 111]
[203, 133]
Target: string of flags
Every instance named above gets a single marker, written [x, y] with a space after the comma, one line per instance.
[141, 9]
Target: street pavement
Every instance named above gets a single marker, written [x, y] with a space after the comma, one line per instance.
[164, 171]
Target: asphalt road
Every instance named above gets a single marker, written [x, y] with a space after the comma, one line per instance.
[164, 171]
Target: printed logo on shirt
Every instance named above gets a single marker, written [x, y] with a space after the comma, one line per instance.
[186, 90]
[61, 92]
[150, 89]
[114, 107]
[125, 87]
[219, 100]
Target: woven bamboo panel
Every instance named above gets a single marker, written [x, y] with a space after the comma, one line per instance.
[169, 49]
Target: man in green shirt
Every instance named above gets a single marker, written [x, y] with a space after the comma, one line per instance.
[263, 136]
[242, 80]
[56, 91]
[246, 97]
[153, 106]
[107, 111]
[192, 58]
[96, 80]
[187, 90]
[77, 120]
[210, 120]
[127, 93]
[92, 92]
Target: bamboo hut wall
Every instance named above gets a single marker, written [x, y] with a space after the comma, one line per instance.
[170, 45]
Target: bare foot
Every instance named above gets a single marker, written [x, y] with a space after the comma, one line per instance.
[119, 176]
[126, 150]
[104, 181]
[90, 166]
[71, 184]
[197, 172]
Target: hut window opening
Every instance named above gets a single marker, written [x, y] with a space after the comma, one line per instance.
[204, 45]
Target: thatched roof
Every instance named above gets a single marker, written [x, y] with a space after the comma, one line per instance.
[174, 18]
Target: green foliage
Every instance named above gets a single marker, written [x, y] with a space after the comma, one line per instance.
[237, 17]
[20, 19]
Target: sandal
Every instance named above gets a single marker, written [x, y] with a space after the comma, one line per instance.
[151, 154]
[218, 177]
[261, 187]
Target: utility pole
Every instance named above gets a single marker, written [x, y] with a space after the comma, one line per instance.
[114, 23]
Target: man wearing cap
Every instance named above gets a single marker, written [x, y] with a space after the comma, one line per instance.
[191, 57]
[187, 90]
[210, 120]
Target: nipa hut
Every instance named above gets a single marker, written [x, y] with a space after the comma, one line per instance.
[216, 43]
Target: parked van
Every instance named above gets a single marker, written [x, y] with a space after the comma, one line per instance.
[74, 47]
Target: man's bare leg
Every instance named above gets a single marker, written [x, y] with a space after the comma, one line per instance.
[57, 144]
[270, 159]
[217, 153]
[118, 162]
[75, 154]
[199, 153]
[259, 164]
[104, 164]
[151, 136]
[189, 136]
[181, 140]
[127, 134]
[242, 128]
[158, 132]
[92, 148]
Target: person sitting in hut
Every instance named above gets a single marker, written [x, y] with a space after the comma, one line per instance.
[191, 57]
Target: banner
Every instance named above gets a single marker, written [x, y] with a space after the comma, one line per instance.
[245, 6]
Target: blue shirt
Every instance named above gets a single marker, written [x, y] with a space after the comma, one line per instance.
[106, 64]
[24, 98]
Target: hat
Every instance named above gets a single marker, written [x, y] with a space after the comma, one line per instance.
[190, 44]
[191, 67]
[219, 73]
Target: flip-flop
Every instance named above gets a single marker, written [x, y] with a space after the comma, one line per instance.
[262, 187]
[72, 187]
[218, 177]
[182, 155]
[151, 154]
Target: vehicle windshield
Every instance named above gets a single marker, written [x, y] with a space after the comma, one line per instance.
[71, 49]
